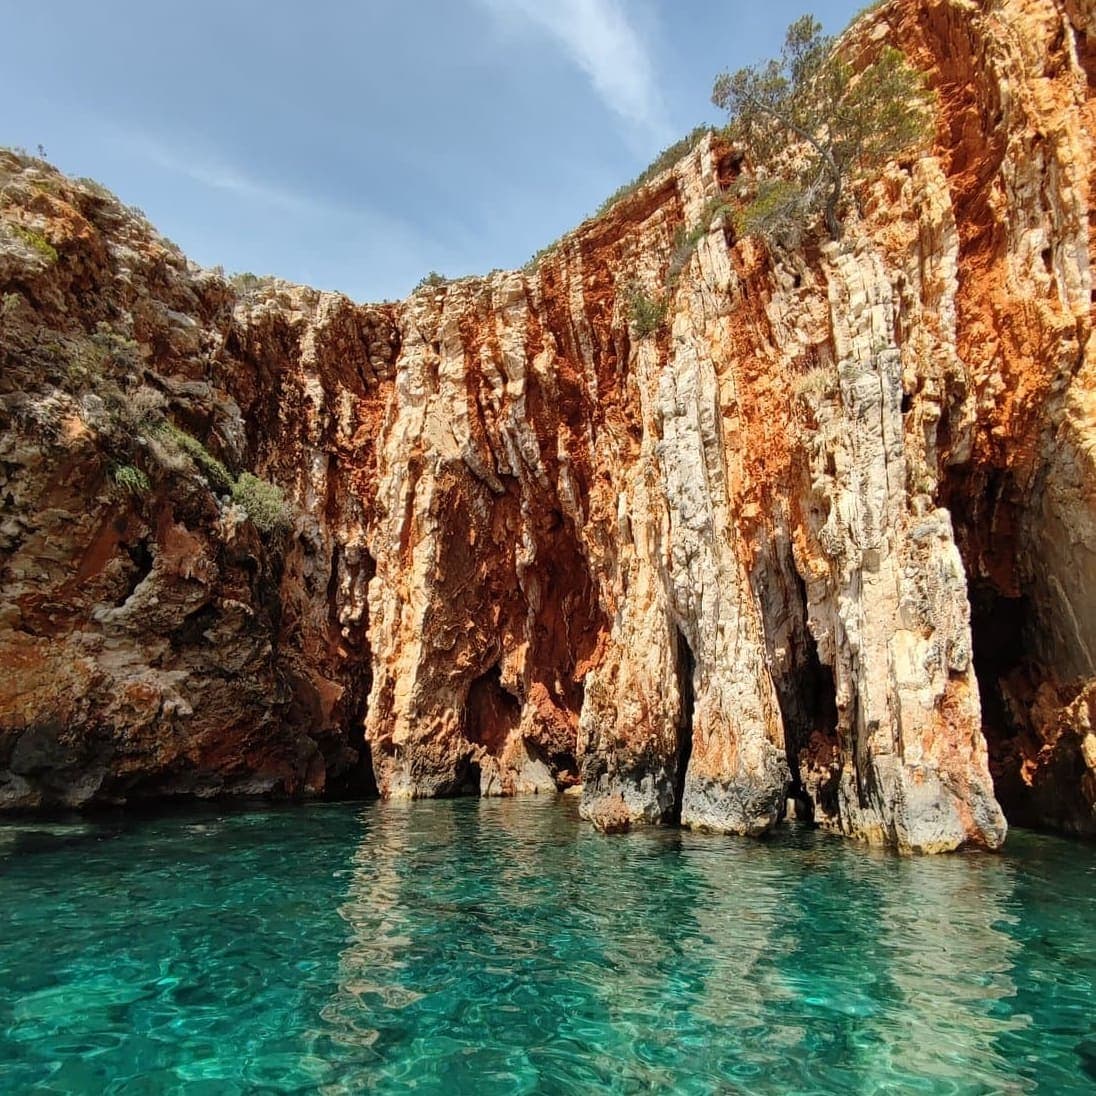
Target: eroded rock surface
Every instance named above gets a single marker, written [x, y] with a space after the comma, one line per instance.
[700, 570]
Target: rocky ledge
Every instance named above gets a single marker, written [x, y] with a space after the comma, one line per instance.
[825, 535]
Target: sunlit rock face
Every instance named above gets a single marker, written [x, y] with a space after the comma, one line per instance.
[702, 570]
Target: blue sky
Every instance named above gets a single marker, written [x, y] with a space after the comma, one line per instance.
[358, 145]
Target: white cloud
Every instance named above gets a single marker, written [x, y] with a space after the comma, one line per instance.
[600, 40]
[214, 173]
[352, 234]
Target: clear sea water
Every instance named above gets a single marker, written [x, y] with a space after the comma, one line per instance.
[503, 947]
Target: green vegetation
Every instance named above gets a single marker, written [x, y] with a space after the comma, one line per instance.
[246, 283]
[116, 348]
[130, 478]
[35, 241]
[534, 260]
[838, 123]
[687, 240]
[433, 280]
[665, 160]
[646, 314]
[92, 362]
[95, 188]
[775, 213]
[219, 477]
[264, 502]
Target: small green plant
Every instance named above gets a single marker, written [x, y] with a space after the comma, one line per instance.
[144, 410]
[9, 304]
[543, 253]
[245, 282]
[130, 478]
[263, 501]
[431, 281]
[218, 476]
[646, 314]
[95, 188]
[36, 242]
[778, 212]
[117, 349]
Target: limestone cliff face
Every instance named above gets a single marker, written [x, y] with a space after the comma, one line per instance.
[697, 571]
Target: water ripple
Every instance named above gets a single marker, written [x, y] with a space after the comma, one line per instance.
[505, 947]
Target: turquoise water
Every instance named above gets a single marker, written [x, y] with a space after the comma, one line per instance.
[503, 947]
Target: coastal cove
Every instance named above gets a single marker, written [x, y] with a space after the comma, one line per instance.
[505, 946]
[695, 518]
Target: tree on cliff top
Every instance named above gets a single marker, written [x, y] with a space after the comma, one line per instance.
[811, 122]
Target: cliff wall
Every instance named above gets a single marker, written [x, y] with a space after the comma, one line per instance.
[827, 533]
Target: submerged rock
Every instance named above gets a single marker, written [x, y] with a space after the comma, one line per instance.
[699, 569]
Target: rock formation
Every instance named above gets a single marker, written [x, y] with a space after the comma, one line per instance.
[700, 566]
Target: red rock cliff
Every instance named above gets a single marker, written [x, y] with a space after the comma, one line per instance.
[696, 570]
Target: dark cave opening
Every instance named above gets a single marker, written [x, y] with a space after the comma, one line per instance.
[999, 626]
[490, 712]
[811, 735]
[357, 779]
[140, 555]
[466, 782]
[807, 696]
[686, 668]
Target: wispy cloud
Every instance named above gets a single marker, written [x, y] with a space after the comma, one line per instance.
[214, 173]
[352, 233]
[599, 38]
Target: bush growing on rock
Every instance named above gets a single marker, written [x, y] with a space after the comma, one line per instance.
[646, 313]
[810, 123]
[662, 162]
[35, 241]
[219, 477]
[263, 501]
[246, 283]
[433, 280]
[130, 478]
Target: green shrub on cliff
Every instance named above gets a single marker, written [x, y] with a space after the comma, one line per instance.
[246, 283]
[645, 313]
[116, 348]
[433, 280]
[264, 502]
[813, 123]
[219, 477]
[130, 478]
[662, 162]
[35, 241]
[686, 240]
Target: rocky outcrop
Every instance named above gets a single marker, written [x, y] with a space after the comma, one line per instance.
[155, 640]
[701, 566]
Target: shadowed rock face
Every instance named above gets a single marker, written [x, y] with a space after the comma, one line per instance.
[699, 571]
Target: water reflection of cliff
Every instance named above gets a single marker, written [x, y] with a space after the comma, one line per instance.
[844, 971]
[952, 959]
[372, 984]
[499, 946]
